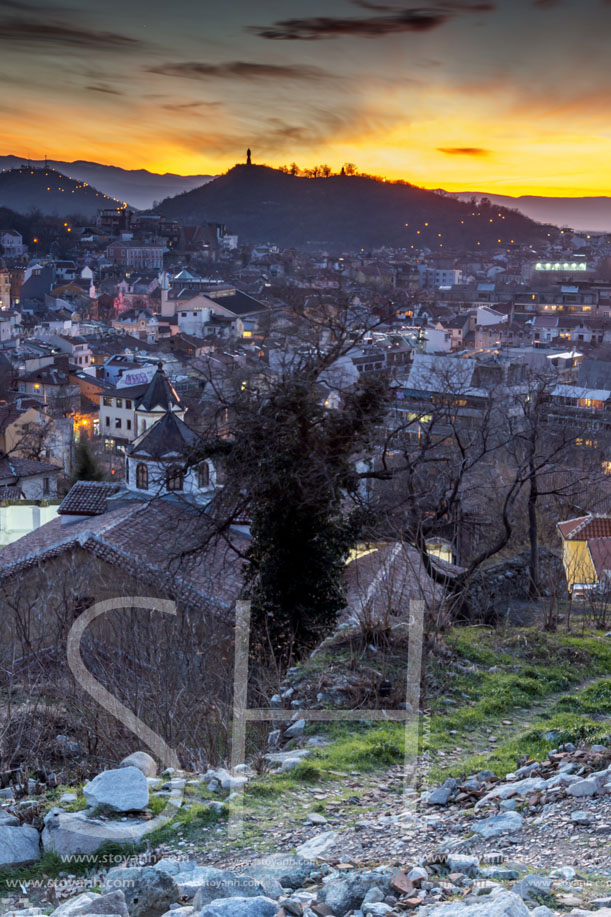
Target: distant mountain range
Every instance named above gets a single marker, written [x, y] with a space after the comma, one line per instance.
[29, 189]
[139, 188]
[582, 213]
[267, 205]
[142, 189]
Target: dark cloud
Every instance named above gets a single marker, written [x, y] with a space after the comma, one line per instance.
[23, 7]
[242, 70]
[24, 32]
[191, 106]
[374, 7]
[108, 90]
[463, 150]
[417, 19]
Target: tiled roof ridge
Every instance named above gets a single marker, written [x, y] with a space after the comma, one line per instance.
[94, 543]
[97, 545]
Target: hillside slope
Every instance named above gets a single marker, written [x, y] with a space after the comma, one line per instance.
[581, 213]
[50, 192]
[265, 205]
[138, 187]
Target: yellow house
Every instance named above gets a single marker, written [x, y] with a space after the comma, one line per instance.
[586, 551]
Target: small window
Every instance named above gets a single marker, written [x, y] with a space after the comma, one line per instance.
[45, 486]
[142, 476]
[119, 402]
[174, 478]
[107, 421]
[128, 424]
[203, 475]
[117, 423]
[107, 401]
[128, 404]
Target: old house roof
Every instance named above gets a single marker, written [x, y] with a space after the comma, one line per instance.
[170, 436]
[87, 498]
[160, 393]
[9, 413]
[600, 552]
[13, 468]
[156, 542]
[238, 303]
[584, 528]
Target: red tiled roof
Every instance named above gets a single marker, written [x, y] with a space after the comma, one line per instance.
[9, 413]
[13, 466]
[157, 542]
[585, 528]
[600, 552]
[87, 498]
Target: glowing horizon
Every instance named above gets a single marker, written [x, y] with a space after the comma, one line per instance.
[501, 98]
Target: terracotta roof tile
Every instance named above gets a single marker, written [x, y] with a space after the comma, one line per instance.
[585, 528]
[600, 552]
[157, 542]
[87, 498]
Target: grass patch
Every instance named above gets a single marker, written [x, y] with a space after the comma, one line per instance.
[306, 772]
[565, 727]
[595, 699]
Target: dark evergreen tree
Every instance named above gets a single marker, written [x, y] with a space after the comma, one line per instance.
[293, 459]
[86, 467]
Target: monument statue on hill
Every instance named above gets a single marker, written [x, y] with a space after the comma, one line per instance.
[248, 157]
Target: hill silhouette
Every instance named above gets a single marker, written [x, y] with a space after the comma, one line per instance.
[139, 187]
[347, 211]
[30, 188]
[581, 213]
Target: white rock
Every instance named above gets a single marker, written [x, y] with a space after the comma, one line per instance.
[124, 789]
[532, 885]
[318, 845]
[289, 763]
[458, 862]
[507, 790]
[296, 730]
[314, 818]
[233, 783]
[583, 788]
[143, 761]
[18, 846]
[417, 873]
[497, 825]
[240, 907]
[91, 903]
[503, 904]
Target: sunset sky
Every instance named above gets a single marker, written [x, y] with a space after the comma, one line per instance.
[508, 96]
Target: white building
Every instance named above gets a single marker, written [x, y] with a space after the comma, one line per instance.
[431, 278]
[164, 460]
[12, 243]
[126, 412]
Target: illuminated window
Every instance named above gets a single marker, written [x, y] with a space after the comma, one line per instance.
[142, 476]
[174, 478]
